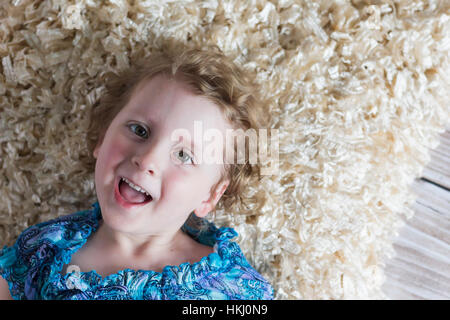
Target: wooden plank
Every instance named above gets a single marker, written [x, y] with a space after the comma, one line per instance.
[437, 176]
[417, 272]
[431, 222]
[420, 257]
[432, 196]
[397, 291]
[416, 282]
[400, 287]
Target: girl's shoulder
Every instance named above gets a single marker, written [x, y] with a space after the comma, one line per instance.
[243, 281]
[60, 231]
[227, 274]
[40, 246]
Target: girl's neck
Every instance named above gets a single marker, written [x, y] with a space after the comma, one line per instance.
[136, 245]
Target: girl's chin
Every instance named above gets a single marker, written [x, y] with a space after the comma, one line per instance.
[121, 221]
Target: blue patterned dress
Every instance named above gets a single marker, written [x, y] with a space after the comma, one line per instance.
[32, 267]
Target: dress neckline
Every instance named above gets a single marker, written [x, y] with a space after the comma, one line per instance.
[213, 261]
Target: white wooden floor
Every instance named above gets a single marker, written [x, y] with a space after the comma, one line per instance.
[421, 269]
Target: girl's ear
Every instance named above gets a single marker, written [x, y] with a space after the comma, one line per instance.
[208, 205]
[95, 153]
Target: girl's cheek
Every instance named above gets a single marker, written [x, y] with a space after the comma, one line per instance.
[185, 186]
[176, 184]
[117, 149]
[111, 154]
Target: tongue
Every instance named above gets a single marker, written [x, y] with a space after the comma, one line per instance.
[130, 194]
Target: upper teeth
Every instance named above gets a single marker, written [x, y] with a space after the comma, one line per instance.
[135, 187]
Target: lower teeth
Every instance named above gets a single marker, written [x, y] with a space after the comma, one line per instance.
[127, 197]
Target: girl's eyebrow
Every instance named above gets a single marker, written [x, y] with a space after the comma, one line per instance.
[141, 116]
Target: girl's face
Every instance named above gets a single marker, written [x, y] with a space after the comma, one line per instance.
[138, 146]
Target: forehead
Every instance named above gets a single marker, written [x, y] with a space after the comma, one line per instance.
[170, 103]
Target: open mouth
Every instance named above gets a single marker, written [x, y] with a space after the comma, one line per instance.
[129, 194]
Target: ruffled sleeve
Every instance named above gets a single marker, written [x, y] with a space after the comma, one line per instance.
[238, 280]
[26, 264]
[8, 266]
[19, 264]
[223, 275]
[37, 253]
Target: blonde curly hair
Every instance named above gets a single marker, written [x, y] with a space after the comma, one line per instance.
[209, 73]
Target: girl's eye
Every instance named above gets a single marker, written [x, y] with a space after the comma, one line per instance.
[183, 156]
[138, 130]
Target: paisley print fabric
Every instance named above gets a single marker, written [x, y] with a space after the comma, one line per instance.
[32, 267]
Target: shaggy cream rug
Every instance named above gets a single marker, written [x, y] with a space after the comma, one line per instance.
[359, 91]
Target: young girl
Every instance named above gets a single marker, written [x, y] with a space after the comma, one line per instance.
[145, 237]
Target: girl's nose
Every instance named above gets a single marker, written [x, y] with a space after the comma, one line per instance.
[148, 160]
